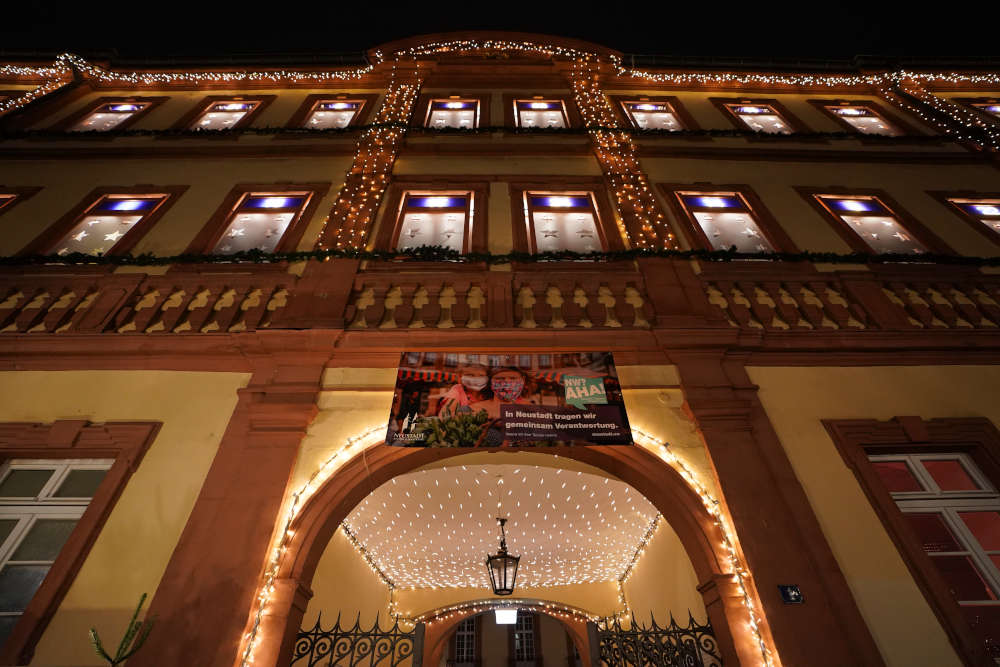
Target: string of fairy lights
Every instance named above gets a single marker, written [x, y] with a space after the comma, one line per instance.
[368, 437]
[641, 221]
[643, 224]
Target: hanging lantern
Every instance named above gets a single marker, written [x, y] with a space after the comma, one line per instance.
[502, 566]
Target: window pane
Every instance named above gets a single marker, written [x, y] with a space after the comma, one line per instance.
[96, 234]
[896, 476]
[7, 624]
[6, 526]
[44, 540]
[985, 526]
[433, 229]
[18, 584]
[80, 484]
[22, 483]
[932, 532]
[725, 230]
[950, 475]
[963, 578]
[248, 231]
[575, 231]
[884, 234]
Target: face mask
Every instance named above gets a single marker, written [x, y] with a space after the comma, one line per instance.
[507, 389]
[475, 382]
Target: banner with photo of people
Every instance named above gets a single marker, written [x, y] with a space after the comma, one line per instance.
[447, 399]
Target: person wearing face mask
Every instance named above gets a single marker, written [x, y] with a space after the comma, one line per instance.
[470, 389]
[507, 386]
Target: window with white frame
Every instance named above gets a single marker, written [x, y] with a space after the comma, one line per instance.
[224, 115]
[540, 113]
[453, 112]
[864, 119]
[955, 513]
[760, 117]
[327, 114]
[560, 221]
[259, 220]
[40, 504]
[435, 219]
[726, 220]
[524, 638]
[652, 115]
[108, 116]
[465, 642]
[874, 223]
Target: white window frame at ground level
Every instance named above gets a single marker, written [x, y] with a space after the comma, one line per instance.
[948, 504]
[27, 511]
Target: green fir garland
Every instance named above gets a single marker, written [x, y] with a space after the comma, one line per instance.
[440, 254]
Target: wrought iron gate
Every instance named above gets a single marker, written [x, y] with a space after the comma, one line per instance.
[356, 647]
[655, 646]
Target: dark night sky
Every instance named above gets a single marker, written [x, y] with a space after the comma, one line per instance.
[754, 28]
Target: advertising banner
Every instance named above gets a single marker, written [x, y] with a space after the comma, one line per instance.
[507, 400]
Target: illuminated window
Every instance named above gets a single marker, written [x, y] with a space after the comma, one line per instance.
[540, 113]
[725, 220]
[326, 114]
[652, 115]
[563, 221]
[108, 116]
[259, 221]
[524, 638]
[760, 117]
[104, 224]
[224, 115]
[954, 512]
[40, 504]
[465, 643]
[457, 113]
[985, 212]
[435, 219]
[863, 119]
[873, 223]
[992, 108]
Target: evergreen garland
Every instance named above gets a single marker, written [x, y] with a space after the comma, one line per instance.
[440, 254]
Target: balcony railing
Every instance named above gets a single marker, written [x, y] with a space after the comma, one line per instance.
[651, 293]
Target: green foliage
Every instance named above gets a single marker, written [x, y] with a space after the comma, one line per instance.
[135, 636]
[461, 429]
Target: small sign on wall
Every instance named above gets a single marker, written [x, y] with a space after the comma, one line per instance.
[790, 594]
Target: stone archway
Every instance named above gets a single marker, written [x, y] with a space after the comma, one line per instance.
[316, 523]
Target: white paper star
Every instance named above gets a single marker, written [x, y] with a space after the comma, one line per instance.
[113, 236]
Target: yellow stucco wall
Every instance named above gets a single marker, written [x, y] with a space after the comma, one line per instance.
[134, 546]
[345, 584]
[663, 582]
[796, 399]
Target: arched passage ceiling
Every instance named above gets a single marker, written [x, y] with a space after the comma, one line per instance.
[434, 527]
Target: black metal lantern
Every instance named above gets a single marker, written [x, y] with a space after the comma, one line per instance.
[502, 566]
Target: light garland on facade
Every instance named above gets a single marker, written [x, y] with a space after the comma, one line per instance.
[371, 171]
[296, 502]
[474, 607]
[741, 573]
[298, 499]
[643, 224]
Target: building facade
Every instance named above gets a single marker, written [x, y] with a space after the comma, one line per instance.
[210, 275]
